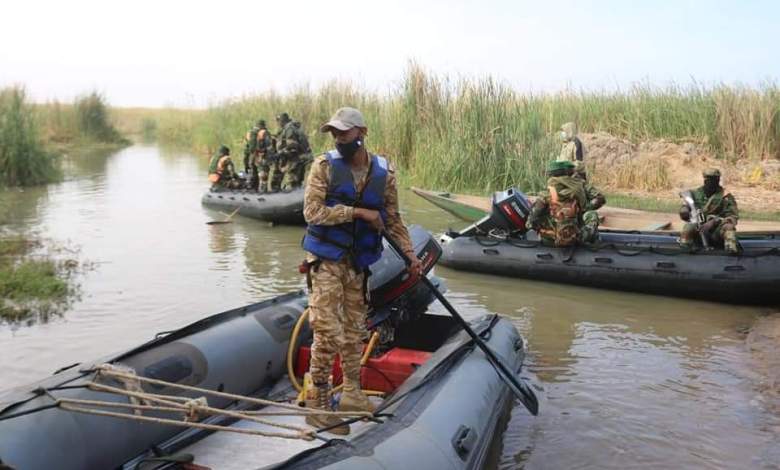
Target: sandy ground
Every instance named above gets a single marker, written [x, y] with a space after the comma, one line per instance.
[755, 184]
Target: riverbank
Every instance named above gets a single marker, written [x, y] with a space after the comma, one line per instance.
[34, 285]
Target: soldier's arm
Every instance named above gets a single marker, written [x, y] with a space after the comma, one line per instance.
[538, 210]
[730, 211]
[595, 197]
[395, 225]
[314, 209]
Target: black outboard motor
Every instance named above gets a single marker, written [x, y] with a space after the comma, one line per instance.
[510, 211]
[394, 294]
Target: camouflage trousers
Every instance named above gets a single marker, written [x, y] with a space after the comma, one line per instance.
[337, 314]
[588, 231]
[294, 168]
[265, 166]
[723, 234]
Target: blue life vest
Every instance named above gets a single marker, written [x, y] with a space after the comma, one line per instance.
[357, 238]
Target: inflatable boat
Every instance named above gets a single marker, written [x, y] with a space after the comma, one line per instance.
[442, 400]
[648, 262]
[280, 207]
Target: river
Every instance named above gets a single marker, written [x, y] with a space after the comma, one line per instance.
[629, 380]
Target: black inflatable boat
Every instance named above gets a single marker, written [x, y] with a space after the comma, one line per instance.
[280, 207]
[624, 260]
[443, 399]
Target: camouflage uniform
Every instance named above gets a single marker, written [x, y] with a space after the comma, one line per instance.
[221, 171]
[338, 303]
[250, 151]
[264, 159]
[293, 148]
[721, 207]
[566, 213]
[571, 150]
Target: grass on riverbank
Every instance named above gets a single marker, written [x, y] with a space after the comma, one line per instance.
[24, 160]
[480, 134]
[671, 206]
[32, 288]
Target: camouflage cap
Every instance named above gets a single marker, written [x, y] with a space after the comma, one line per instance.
[560, 165]
[711, 173]
[224, 150]
[261, 122]
[343, 120]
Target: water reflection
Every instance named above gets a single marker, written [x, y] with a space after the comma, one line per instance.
[630, 380]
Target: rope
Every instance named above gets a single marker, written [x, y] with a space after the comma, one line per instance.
[190, 408]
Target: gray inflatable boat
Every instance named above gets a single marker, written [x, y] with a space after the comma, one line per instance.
[280, 207]
[629, 261]
[443, 413]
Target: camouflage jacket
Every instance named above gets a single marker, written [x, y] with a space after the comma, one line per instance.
[317, 213]
[567, 188]
[250, 139]
[721, 204]
[291, 140]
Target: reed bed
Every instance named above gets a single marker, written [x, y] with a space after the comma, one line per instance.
[23, 159]
[480, 134]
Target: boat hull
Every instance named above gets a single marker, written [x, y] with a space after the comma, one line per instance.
[280, 207]
[752, 278]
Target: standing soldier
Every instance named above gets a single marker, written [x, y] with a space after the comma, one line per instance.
[566, 214]
[571, 150]
[264, 158]
[221, 171]
[292, 146]
[250, 154]
[720, 215]
[350, 199]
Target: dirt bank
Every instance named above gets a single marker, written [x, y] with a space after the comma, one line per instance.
[661, 169]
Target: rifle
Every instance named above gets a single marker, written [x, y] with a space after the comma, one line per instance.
[696, 215]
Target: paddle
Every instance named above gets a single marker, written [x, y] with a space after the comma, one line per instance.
[226, 221]
[521, 390]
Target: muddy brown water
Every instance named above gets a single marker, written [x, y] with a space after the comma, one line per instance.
[629, 380]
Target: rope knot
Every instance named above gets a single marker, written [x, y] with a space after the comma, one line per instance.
[192, 407]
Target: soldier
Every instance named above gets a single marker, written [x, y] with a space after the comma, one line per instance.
[720, 212]
[222, 174]
[292, 148]
[571, 150]
[264, 157]
[350, 198]
[250, 154]
[566, 214]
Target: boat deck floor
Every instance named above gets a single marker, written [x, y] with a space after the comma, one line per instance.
[228, 451]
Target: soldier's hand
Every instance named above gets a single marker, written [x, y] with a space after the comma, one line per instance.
[708, 226]
[685, 214]
[374, 218]
[415, 268]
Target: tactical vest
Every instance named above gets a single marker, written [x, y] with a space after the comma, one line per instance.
[565, 215]
[217, 167]
[356, 239]
[251, 139]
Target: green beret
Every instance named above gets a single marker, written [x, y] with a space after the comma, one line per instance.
[711, 172]
[560, 165]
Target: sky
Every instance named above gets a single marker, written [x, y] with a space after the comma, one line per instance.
[191, 54]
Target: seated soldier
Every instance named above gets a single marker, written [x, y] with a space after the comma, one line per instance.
[221, 171]
[720, 212]
[566, 214]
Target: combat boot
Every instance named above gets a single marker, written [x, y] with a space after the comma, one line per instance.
[317, 399]
[353, 399]
[730, 242]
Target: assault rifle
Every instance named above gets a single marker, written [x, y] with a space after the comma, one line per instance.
[697, 216]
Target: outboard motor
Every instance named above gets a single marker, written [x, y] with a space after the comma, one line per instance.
[509, 213]
[396, 297]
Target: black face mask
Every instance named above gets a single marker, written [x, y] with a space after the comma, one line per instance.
[711, 186]
[349, 149]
